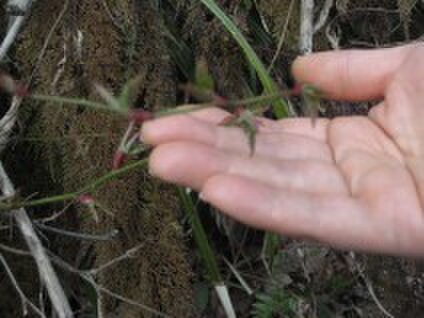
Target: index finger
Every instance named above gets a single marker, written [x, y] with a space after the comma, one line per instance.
[352, 75]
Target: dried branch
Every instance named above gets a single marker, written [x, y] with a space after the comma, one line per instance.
[47, 274]
[19, 10]
[88, 276]
[128, 254]
[351, 259]
[306, 26]
[323, 16]
[7, 122]
[82, 236]
[282, 37]
[100, 289]
[24, 299]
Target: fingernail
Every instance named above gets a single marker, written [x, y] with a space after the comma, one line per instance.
[144, 132]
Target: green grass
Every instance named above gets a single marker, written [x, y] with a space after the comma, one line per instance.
[280, 107]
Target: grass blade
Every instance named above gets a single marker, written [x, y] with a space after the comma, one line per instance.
[280, 107]
[206, 252]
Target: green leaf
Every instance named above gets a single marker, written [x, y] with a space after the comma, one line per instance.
[311, 101]
[203, 79]
[129, 92]
[109, 99]
[201, 296]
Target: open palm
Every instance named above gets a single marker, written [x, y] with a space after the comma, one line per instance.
[352, 182]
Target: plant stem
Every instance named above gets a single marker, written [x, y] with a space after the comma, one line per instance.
[95, 185]
[259, 99]
[200, 237]
[77, 102]
[245, 102]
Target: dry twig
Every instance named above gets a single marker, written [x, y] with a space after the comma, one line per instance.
[306, 26]
[23, 6]
[47, 274]
[24, 299]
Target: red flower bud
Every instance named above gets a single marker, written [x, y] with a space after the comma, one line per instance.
[139, 116]
[119, 159]
[22, 90]
[86, 199]
[297, 89]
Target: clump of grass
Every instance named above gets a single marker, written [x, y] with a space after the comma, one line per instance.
[275, 303]
[280, 107]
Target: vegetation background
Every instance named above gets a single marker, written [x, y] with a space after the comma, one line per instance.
[60, 149]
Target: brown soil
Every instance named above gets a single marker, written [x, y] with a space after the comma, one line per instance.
[144, 211]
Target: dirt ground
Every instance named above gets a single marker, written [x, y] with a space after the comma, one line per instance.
[68, 45]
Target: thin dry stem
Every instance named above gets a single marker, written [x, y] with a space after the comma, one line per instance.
[24, 299]
[306, 26]
[47, 274]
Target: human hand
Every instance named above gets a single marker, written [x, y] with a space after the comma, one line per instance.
[351, 182]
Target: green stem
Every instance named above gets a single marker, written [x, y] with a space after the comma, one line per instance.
[180, 110]
[77, 102]
[200, 237]
[95, 185]
[246, 102]
[258, 99]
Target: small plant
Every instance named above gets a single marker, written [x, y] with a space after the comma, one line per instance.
[275, 303]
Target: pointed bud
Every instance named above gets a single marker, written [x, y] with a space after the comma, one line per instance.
[118, 159]
[22, 90]
[86, 199]
[297, 89]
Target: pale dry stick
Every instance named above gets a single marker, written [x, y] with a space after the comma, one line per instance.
[112, 18]
[13, 250]
[16, 8]
[100, 289]
[56, 215]
[81, 236]
[88, 277]
[24, 299]
[323, 15]
[282, 37]
[47, 274]
[8, 121]
[332, 37]
[47, 40]
[12, 33]
[369, 287]
[306, 42]
[128, 254]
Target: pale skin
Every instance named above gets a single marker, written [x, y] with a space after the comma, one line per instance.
[353, 182]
